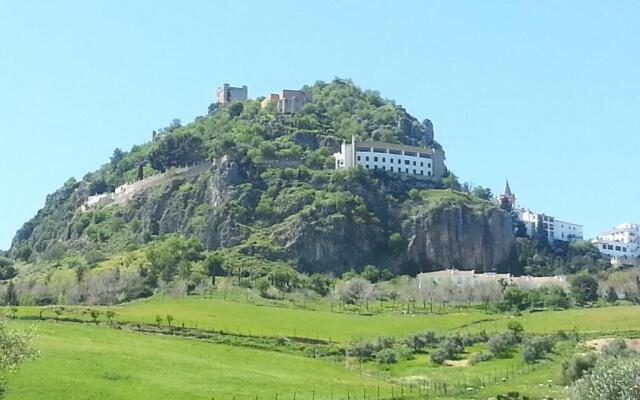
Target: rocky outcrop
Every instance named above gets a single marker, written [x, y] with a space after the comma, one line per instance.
[459, 237]
[336, 246]
[415, 132]
[450, 235]
[219, 207]
[203, 206]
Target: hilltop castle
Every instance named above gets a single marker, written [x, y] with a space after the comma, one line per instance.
[289, 102]
[229, 94]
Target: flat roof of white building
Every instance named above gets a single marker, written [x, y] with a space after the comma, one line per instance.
[394, 146]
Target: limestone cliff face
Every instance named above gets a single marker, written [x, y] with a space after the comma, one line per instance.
[335, 246]
[202, 207]
[452, 235]
[379, 223]
[459, 237]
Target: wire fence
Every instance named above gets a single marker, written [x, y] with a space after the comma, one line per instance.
[421, 389]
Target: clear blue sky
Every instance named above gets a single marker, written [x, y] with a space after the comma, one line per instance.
[546, 93]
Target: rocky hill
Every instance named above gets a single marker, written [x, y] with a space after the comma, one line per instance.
[270, 193]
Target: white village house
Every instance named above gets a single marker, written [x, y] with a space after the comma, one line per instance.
[554, 229]
[623, 241]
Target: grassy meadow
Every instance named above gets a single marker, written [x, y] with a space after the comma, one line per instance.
[81, 361]
[280, 320]
[87, 361]
[266, 320]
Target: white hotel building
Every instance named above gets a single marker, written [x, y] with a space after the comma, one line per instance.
[395, 158]
[623, 241]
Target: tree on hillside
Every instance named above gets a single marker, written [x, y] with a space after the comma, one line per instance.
[584, 289]
[515, 299]
[487, 291]
[7, 271]
[482, 192]
[611, 295]
[354, 291]
[319, 283]
[374, 274]
[15, 348]
[110, 314]
[94, 315]
[235, 109]
[450, 181]
[11, 295]
[117, 156]
[177, 150]
[213, 265]
[557, 299]
[174, 256]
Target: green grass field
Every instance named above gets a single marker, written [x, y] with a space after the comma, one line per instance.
[273, 320]
[240, 317]
[280, 321]
[79, 361]
[605, 319]
[117, 364]
[82, 361]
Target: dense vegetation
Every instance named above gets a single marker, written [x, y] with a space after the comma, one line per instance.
[281, 189]
[246, 133]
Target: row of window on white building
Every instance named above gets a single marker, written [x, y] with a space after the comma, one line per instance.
[406, 162]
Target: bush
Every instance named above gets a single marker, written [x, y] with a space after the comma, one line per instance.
[16, 348]
[7, 270]
[439, 355]
[448, 349]
[514, 299]
[404, 353]
[534, 348]
[617, 348]
[386, 356]
[499, 343]
[611, 379]
[362, 350]
[557, 299]
[584, 289]
[262, 285]
[385, 342]
[473, 338]
[575, 368]
[419, 340]
[319, 284]
[480, 357]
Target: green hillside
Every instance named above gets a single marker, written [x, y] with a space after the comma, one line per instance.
[133, 354]
[107, 363]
